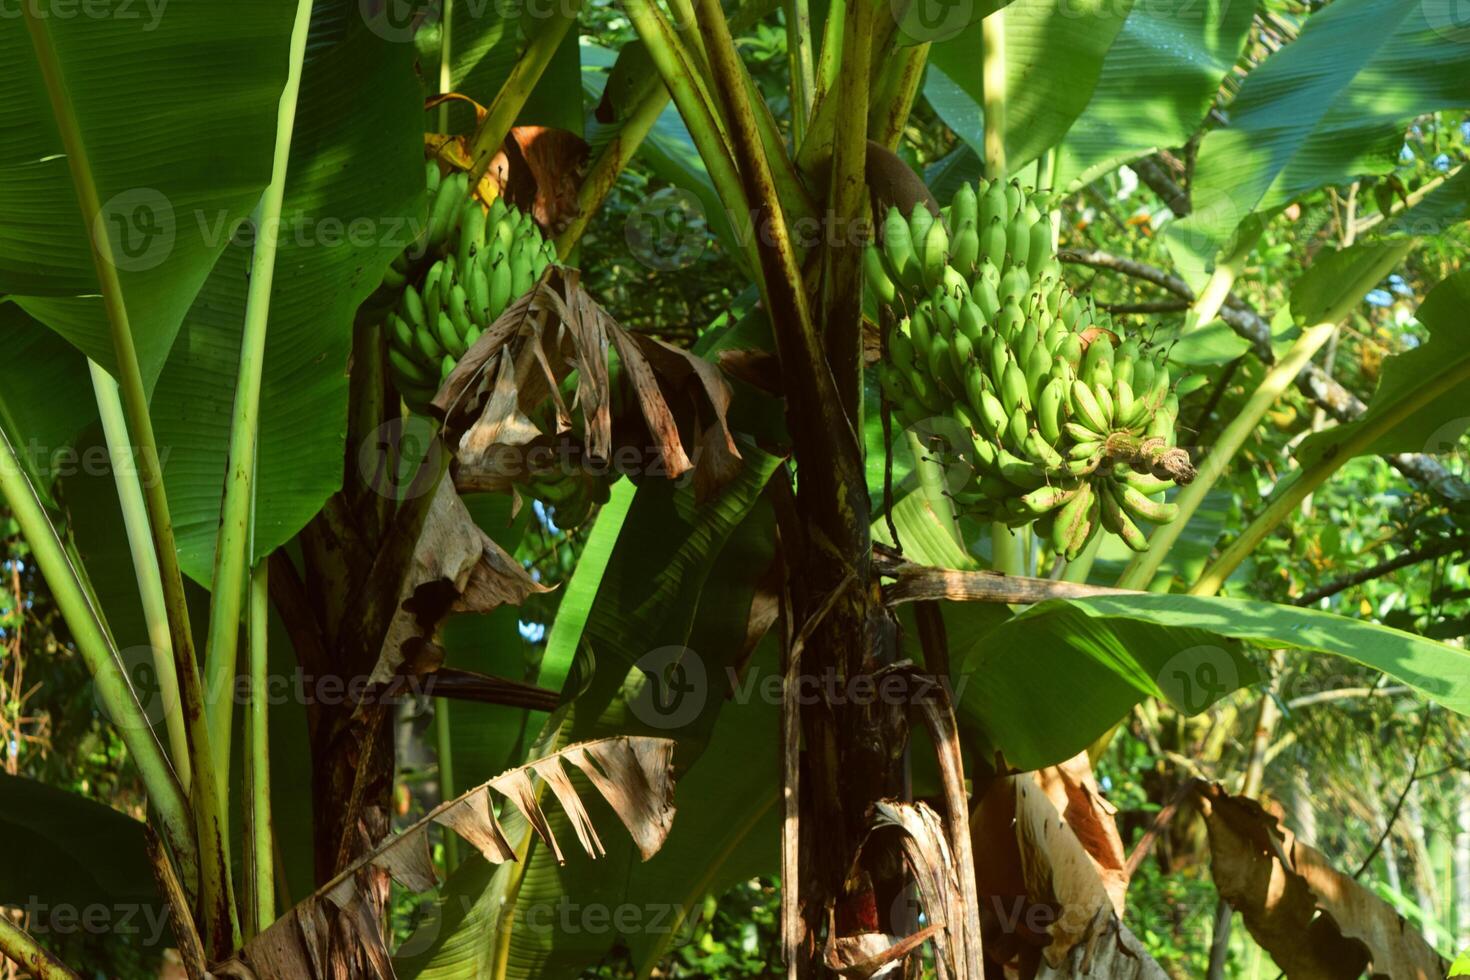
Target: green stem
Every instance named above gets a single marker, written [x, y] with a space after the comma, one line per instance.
[829, 59]
[145, 563]
[893, 96]
[1141, 571]
[619, 150]
[849, 207]
[501, 115]
[35, 959]
[789, 187]
[89, 632]
[218, 911]
[615, 154]
[675, 66]
[444, 746]
[1080, 568]
[581, 590]
[1006, 553]
[814, 153]
[446, 61]
[803, 74]
[260, 881]
[993, 81]
[931, 485]
[1370, 431]
[232, 542]
[1206, 305]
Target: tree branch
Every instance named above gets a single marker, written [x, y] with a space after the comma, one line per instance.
[1413, 557]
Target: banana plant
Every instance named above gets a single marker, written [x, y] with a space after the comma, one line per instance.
[856, 480]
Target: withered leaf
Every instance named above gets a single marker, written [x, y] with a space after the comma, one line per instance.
[488, 402]
[456, 567]
[1050, 863]
[335, 933]
[1316, 922]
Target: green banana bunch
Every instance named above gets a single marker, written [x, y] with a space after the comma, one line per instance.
[485, 259]
[1069, 425]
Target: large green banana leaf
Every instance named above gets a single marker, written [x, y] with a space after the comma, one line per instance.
[354, 191]
[1157, 82]
[177, 109]
[1043, 685]
[1329, 106]
[1054, 59]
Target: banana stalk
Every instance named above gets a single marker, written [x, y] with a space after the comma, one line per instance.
[145, 564]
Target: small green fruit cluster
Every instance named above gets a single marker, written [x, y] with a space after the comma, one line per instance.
[1066, 424]
[486, 259]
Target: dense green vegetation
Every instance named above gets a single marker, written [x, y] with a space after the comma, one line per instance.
[624, 521]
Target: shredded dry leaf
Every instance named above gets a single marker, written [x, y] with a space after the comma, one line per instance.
[1050, 866]
[520, 364]
[335, 934]
[456, 568]
[1316, 922]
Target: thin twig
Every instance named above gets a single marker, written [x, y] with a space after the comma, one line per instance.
[1413, 557]
[1413, 777]
[1145, 843]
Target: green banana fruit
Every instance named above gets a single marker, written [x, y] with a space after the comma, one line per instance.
[1064, 421]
